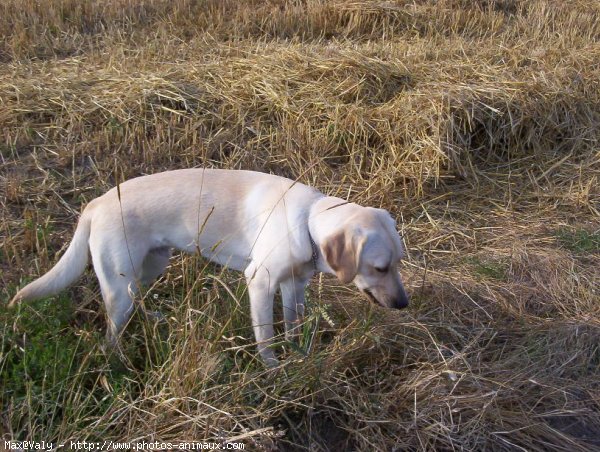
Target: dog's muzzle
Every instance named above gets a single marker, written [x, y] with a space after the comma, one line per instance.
[400, 302]
[370, 296]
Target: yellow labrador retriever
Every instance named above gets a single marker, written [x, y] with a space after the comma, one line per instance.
[277, 231]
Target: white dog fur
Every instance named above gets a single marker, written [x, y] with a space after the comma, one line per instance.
[277, 231]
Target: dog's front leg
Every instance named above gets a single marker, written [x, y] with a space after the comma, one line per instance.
[292, 294]
[261, 291]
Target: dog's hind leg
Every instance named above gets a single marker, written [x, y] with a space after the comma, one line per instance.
[116, 266]
[154, 264]
[292, 294]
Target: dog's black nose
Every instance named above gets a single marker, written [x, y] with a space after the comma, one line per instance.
[402, 301]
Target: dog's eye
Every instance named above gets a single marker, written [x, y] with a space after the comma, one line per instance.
[382, 269]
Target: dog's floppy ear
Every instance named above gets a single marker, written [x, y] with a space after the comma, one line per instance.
[342, 253]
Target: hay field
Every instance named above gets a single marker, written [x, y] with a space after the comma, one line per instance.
[476, 123]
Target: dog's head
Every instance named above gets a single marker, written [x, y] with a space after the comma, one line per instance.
[366, 250]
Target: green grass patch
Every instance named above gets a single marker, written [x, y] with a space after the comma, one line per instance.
[55, 378]
[579, 240]
[494, 269]
[47, 367]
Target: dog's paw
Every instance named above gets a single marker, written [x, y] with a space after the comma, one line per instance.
[268, 358]
[157, 316]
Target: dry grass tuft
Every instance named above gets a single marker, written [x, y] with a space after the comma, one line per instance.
[475, 123]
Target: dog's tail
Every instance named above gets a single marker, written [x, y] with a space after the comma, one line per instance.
[66, 271]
